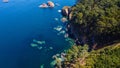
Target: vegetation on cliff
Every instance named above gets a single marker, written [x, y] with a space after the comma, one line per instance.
[79, 57]
[97, 20]
[107, 57]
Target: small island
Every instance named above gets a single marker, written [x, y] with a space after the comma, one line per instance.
[46, 5]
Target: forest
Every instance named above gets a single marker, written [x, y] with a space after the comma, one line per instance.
[96, 21]
[79, 57]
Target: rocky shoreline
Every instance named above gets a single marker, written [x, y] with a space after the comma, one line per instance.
[73, 32]
[81, 34]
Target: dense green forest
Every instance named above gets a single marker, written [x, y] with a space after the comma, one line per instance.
[97, 20]
[93, 22]
[79, 57]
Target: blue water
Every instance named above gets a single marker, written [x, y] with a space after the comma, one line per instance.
[21, 21]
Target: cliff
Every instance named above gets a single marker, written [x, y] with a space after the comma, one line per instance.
[95, 22]
[107, 57]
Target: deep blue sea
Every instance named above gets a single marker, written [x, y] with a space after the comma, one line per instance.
[21, 21]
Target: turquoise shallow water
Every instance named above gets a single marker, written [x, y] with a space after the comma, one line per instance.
[21, 21]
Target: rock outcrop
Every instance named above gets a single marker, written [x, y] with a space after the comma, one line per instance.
[64, 19]
[46, 5]
[66, 12]
[50, 4]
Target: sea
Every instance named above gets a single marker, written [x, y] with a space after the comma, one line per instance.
[23, 23]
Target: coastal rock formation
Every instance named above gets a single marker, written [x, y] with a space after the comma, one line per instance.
[70, 16]
[94, 25]
[64, 19]
[65, 10]
[5, 1]
[50, 4]
[44, 5]
[58, 28]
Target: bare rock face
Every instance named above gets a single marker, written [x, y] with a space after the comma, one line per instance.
[5, 1]
[50, 4]
[65, 10]
[70, 16]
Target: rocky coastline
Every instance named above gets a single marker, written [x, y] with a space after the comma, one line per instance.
[87, 39]
[80, 33]
[71, 28]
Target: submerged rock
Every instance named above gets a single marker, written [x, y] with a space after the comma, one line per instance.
[42, 66]
[56, 19]
[5, 1]
[44, 5]
[54, 56]
[61, 32]
[41, 42]
[58, 28]
[40, 48]
[50, 4]
[57, 55]
[50, 48]
[33, 45]
[66, 35]
[38, 42]
[53, 63]
[59, 11]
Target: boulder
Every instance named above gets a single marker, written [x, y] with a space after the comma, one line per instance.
[66, 10]
[64, 19]
[50, 4]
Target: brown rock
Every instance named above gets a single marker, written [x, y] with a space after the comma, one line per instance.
[64, 19]
[65, 10]
[51, 4]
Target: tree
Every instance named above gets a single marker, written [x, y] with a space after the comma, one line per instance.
[97, 18]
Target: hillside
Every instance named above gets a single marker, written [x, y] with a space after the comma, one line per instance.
[107, 57]
[92, 24]
[95, 21]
